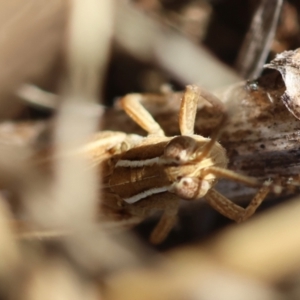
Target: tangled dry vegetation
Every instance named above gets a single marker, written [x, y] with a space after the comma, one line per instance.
[61, 61]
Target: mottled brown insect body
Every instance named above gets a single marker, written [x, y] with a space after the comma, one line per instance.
[153, 168]
[153, 173]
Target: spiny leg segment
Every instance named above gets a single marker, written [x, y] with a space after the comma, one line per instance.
[138, 113]
[188, 112]
[233, 211]
[188, 109]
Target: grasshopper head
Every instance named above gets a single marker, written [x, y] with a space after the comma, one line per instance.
[188, 169]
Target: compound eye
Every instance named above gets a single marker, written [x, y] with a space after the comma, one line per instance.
[190, 188]
[180, 149]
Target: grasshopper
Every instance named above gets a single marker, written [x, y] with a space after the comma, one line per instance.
[143, 175]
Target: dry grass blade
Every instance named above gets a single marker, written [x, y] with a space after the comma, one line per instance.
[10, 255]
[72, 199]
[78, 116]
[148, 41]
[31, 35]
[9, 251]
[56, 279]
[257, 43]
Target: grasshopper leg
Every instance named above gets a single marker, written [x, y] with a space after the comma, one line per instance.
[132, 105]
[233, 211]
